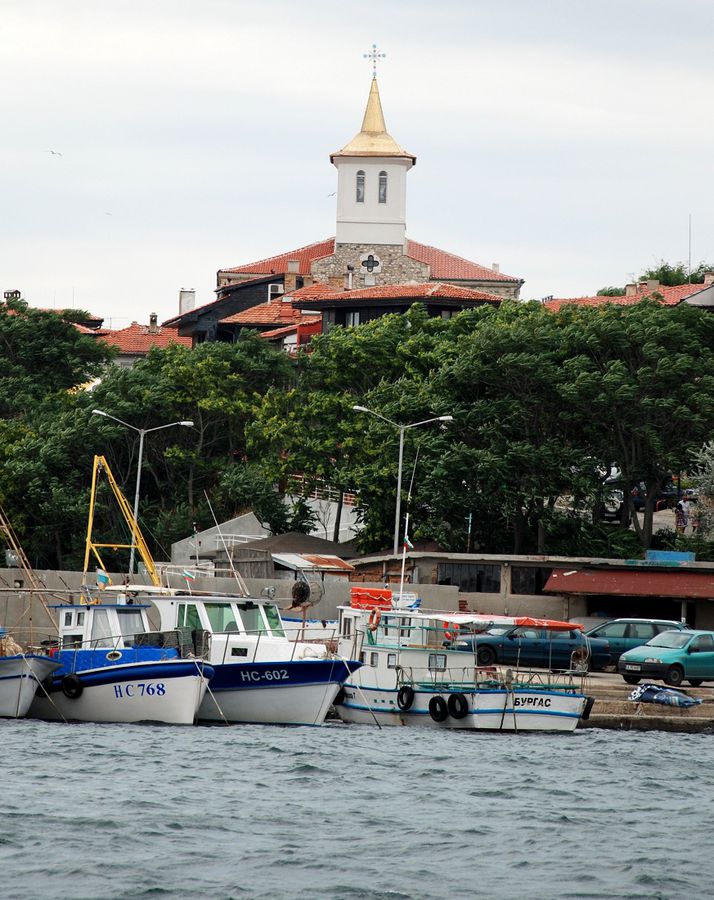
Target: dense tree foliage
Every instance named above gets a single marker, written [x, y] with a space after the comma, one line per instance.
[544, 405]
[670, 274]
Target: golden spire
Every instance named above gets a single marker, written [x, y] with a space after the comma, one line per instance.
[373, 139]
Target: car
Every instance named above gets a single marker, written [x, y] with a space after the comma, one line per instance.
[526, 645]
[672, 657]
[624, 634]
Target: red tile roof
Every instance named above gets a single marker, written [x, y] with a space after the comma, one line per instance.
[425, 290]
[671, 296]
[443, 265]
[280, 332]
[448, 266]
[139, 339]
[275, 312]
[279, 264]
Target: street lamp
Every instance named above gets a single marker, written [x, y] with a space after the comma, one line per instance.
[141, 432]
[401, 429]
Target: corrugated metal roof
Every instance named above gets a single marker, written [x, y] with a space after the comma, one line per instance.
[311, 562]
[641, 582]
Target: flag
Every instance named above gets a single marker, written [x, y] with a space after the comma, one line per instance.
[189, 576]
[407, 543]
[103, 580]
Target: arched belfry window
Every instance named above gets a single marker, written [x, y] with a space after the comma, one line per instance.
[382, 187]
[360, 187]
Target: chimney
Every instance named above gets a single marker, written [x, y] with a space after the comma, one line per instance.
[153, 324]
[652, 284]
[290, 280]
[187, 300]
[496, 267]
[708, 278]
[630, 290]
[294, 266]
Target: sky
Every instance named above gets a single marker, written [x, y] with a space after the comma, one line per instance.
[569, 141]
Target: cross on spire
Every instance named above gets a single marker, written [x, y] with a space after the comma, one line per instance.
[374, 55]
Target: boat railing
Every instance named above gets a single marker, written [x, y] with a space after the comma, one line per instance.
[469, 678]
[235, 640]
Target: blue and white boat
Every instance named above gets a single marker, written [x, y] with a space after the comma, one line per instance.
[411, 674]
[260, 676]
[110, 667]
[20, 675]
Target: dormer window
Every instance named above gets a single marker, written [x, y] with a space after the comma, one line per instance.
[382, 187]
[360, 187]
[274, 291]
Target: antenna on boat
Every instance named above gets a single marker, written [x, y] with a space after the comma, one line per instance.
[241, 584]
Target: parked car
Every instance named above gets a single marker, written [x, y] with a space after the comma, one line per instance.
[531, 646]
[624, 634]
[673, 657]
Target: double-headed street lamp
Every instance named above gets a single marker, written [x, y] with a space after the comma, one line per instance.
[141, 432]
[401, 429]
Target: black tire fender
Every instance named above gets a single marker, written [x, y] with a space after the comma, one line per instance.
[438, 709]
[405, 697]
[72, 687]
[339, 697]
[458, 706]
[589, 703]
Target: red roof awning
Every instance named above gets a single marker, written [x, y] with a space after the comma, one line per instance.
[632, 582]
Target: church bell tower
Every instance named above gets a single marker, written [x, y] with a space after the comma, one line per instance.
[371, 183]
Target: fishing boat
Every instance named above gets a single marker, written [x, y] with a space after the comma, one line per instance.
[111, 667]
[413, 674]
[260, 676]
[20, 675]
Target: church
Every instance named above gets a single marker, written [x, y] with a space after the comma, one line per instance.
[369, 268]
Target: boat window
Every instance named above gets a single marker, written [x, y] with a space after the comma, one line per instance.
[437, 662]
[80, 619]
[252, 619]
[221, 617]
[391, 660]
[374, 661]
[363, 657]
[188, 616]
[274, 621]
[405, 629]
[130, 623]
[346, 627]
[68, 618]
[101, 632]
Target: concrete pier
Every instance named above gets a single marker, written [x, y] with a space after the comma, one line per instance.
[613, 710]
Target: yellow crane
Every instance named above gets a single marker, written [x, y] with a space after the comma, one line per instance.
[92, 547]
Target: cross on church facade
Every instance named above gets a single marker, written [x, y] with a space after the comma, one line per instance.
[374, 55]
[370, 264]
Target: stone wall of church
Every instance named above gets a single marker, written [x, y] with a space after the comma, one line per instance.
[393, 266]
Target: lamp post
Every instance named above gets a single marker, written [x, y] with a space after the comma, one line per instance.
[141, 432]
[401, 429]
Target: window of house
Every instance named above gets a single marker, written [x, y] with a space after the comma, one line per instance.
[352, 318]
[382, 187]
[360, 187]
[275, 290]
[528, 579]
[474, 578]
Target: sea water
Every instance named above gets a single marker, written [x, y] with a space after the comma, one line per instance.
[112, 811]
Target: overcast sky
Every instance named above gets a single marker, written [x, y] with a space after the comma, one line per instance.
[567, 140]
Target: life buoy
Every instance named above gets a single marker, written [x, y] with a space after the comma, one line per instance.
[438, 709]
[375, 617]
[405, 697]
[72, 687]
[451, 631]
[458, 706]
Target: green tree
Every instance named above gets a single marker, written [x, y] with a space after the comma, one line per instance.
[670, 275]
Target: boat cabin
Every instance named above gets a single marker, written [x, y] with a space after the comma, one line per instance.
[99, 625]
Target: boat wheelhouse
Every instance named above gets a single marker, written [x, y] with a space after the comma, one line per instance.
[114, 668]
[412, 675]
[260, 675]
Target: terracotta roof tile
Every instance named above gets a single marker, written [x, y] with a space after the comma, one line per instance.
[448, 265]
[671, 296]
[139, 339]
[425, 290]
[443, 265]
[279, 264]
[278, 312]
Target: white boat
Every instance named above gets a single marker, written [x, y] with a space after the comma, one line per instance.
[20, 675]
[412, 676]
[110, 667]
[260, 676]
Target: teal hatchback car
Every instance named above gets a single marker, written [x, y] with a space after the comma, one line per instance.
[672, 656]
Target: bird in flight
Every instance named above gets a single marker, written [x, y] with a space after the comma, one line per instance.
[54, 152]
[332, 194]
